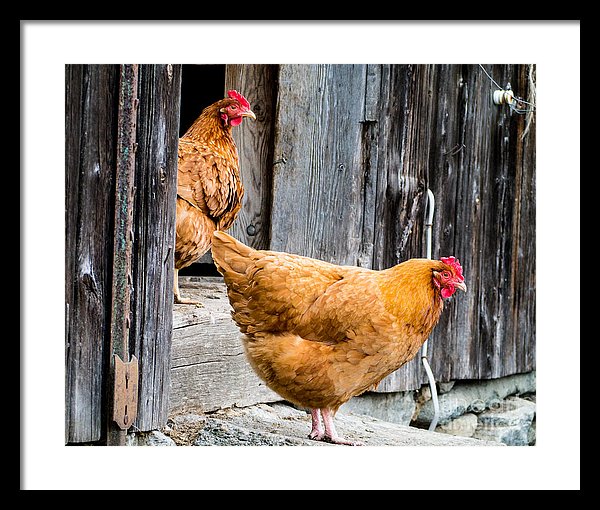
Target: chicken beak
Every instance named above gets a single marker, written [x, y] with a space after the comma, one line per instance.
[249, 113]
[461, 286]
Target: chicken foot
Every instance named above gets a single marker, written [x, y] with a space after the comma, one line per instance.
[178, 298]
[328, 434]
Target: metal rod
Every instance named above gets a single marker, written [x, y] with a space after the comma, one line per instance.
[123, 235]
[428, 234]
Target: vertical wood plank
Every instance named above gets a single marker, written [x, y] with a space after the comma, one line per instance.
[478, 174]
[154, 234]
[523, 268]
[457, 233]
[255, 145]
[318, 176]
[90, 134]
[404, 131]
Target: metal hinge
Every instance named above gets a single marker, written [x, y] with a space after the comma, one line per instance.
[125, 396]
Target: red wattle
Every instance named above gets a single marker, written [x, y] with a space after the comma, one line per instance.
[446, 292]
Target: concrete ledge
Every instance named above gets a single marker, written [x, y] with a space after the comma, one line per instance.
[280, 424]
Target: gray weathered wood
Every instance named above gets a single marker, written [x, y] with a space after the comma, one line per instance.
[255, 142]
[90, 150]
[154, 235]
[209, 369]
[319, 181]
[119, 239]
[483, 177]
[401, 140]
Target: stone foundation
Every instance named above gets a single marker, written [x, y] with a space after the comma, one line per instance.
[501, 410]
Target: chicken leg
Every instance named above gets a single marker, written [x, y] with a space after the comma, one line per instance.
[178, 298]
[328, 434]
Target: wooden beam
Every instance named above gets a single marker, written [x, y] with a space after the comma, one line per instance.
[90, 150]
[154, 237]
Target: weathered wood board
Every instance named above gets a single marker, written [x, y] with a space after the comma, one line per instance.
[255, 142]
[209, 369]
[143, 282]
[154, 236]
[90, 154]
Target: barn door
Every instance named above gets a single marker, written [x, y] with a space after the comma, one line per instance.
[347, 186]
[121, 161]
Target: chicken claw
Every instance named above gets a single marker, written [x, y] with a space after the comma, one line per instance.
[177, 294]
[186, 301]
[328, 435]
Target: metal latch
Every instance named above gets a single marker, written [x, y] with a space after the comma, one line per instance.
[125, 396]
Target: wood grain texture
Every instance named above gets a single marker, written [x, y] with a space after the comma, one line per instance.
[154, 236]
[143, 274]
[255, 143]
[209, 369]
[90, 150]
[483, 176]
[318, 177]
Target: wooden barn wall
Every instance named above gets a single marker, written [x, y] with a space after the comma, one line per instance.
[354, 149]
[91, 153]
[90, 159]
[482, 170]
[154, 234]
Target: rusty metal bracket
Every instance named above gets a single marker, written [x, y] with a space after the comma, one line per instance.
[125, 393]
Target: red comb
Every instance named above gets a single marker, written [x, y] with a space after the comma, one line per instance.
[453, 262]
[234, 94]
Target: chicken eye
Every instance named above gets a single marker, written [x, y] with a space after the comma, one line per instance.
[233, 107]
[446, 274]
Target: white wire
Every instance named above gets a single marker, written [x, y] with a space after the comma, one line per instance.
[424, 360]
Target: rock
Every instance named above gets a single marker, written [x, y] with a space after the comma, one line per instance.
[463, 426]
[509, 423]
[152, 438]
[397, 407]
[280, 424]
[424, 394]
[475, 397]
[184, 428]
[531, 436]
[445, 387]
[221, 433]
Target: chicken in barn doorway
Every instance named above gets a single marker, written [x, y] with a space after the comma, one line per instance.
[209, 186]
[319, 334]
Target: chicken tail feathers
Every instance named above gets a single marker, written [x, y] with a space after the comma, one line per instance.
[230, 255]
[236, 262]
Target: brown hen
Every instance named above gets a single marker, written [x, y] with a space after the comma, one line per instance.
[317, 333]
[209, 187]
